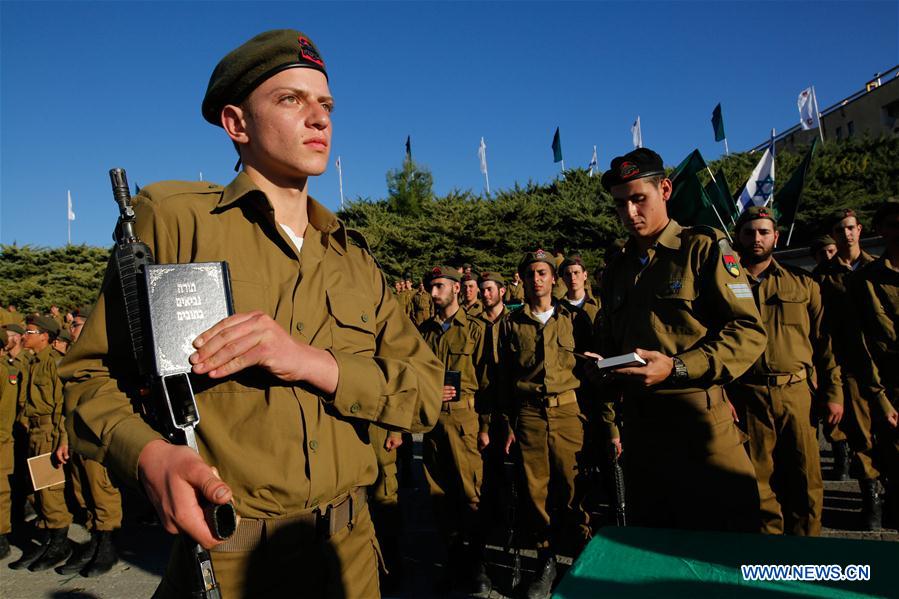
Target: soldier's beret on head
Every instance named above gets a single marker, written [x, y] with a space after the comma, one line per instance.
[840, 214]
[45, 324]
[536, 256]
[15, 328]
[407, 275]
[821, 241]
[573, 260]
[492, 275]
[755, 213]
[639, 164]
[246, 67]
[444, 272]
[83, 311]
[65, 336]
[888, 208]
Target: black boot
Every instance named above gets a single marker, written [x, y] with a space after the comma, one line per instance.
[32, 551]
[480, 584]
[840, 460]
[542, 585]
[81, 556]
[872, 504]
[58, 549]
[105, 558]
[4, 546]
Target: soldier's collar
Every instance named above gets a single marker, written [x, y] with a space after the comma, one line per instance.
[670, 237]
[319, 217]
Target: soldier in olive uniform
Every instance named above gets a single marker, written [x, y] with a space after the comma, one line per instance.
[422, 305]
[515, 290]
[677, 297]
[8, 395]
[318, 346]
[453, 465]
[575, 274]
[98, 496]
[470, 301]
[822, 248]
[17, 359]
[852, 356]
[875, 291]
[774, 398]
[43, 416]
[539, 390]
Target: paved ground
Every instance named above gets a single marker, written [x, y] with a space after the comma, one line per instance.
[144, 548]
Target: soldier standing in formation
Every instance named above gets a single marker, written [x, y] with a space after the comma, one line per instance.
[677, 297]
[453, 466]
[574, 273]
[539, 383]
[470, 301]
[875, 291]
[774, 399]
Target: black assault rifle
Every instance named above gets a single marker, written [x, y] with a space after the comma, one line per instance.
[172, 408]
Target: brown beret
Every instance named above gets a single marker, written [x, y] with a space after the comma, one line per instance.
[840, 214]
[45, 324]
[537, 256]
[494, 276]
[15, 328]
[245, 68]
[755, 213]
[821, 241]
[83, 311]
[444, 272]
[572, 261]
[65, 335]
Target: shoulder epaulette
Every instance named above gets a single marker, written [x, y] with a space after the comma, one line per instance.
[171, 188]
[795, 270]
[358, 239]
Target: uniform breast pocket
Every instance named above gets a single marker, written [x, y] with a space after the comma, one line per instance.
[250, 296]
[460, 355]
[352, 323]
[673, 305]
[790, 308]
[566, 352]
[525, 351]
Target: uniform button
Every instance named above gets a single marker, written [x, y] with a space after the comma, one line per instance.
[355, 408]
[313, 445]
[300, 327]
[365, 318]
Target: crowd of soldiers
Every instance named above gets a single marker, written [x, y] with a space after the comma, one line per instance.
[723, 437]
[32, 417]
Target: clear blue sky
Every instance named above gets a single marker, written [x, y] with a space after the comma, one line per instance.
[85, 86]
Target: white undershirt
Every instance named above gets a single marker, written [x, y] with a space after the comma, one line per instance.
[544, 316]
[296, 239]
[577, 303]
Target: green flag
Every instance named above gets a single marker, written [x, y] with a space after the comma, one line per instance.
[689, 204]
[557, 147]
[718, 123]
[786, 199]
[718, 191]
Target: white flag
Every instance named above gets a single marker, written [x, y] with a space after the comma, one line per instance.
[760, 186]
[71, 214]
[636, 134]
[808, 109]
[482, 155]
[593, 162]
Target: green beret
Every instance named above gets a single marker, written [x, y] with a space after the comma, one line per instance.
[492, 276]
[638, 164]
[838, 215]
[888, 208]
[45, 324]
[755, 213]
[444, 272]
[65, 335]
[821, 241]
[572, 261]
[83, 311]
[245, 68]
[15, 328]
[537, 256]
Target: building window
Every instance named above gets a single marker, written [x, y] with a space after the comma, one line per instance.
[839, 133]
[850, 128]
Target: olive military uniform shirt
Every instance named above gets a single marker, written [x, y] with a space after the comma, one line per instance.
[875, 291]
[282, 447]
[790, 305]
[690, 299]
[43, 395]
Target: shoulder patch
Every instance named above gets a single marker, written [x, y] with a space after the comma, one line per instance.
[730, 261]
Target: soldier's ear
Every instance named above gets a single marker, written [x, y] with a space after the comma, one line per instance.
[666, 187]
[234, 122]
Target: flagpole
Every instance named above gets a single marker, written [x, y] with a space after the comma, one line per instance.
[563, 164]
[723, 226]
[770, 200]
[726, 150]
[340, 179]
[820, 122]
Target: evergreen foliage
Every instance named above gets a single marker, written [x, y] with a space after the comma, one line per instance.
[35, 278]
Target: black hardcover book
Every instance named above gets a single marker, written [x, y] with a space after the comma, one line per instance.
[183, 300]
